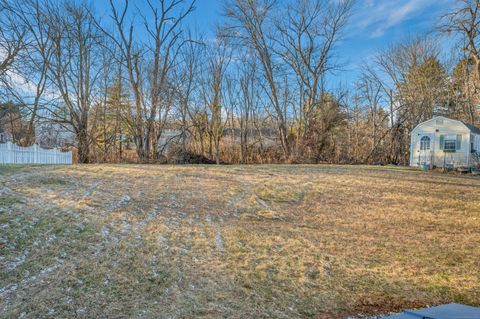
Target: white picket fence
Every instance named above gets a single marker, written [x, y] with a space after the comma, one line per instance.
[14, 154]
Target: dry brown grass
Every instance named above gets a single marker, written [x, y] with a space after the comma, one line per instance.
[239, 242]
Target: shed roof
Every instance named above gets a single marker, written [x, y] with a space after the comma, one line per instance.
[472, 128]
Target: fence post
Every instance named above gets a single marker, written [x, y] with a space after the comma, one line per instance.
[11, 156]
[35, 153]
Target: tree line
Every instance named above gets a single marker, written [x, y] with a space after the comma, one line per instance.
[138, 84]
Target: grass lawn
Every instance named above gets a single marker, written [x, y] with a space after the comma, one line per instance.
[123, 241]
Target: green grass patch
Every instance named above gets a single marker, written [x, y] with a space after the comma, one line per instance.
[51, 181]
[6, 200]
[6, 169]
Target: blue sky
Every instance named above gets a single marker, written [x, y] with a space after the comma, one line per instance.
[374, 25]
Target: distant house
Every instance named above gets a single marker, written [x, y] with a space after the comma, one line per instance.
[441, 141]
[4, 136]
[168, 138]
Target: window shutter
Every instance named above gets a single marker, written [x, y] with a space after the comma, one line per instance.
[459, 141]
[442, 141]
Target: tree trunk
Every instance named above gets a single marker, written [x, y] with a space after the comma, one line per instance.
[82, 145]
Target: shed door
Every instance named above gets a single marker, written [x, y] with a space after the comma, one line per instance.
[425, 149]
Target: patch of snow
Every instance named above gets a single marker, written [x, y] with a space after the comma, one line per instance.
[125, 200]
[233, 213]
[105, 232]
[47, 270]
[127, 227]
[34, 221]
[163, 241]
[262, 202]
[5, 190]
[219, 242]
[150, 218]
[53, 238]
[208, 219]
[18, 261]
[8, 289]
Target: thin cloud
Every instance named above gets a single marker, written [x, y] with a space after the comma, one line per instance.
[375, 17]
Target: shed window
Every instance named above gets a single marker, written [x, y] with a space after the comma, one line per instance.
[450, 145]
[425, 143]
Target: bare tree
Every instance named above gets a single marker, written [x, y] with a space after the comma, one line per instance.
[149, 84]
[218, 61]
[247, 104]
[191, 90]
[250, 21]
[370, 92]
[464, 21]
[11, 38]
[186, 83]
[75, 69]
[308, 32]
[34, 62]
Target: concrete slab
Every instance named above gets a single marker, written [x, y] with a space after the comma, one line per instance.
[449, 311]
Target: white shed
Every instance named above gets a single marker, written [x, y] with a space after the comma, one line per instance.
[442, 141]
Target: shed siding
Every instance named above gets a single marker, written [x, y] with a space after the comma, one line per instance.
[476, 143]
[435, 128]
